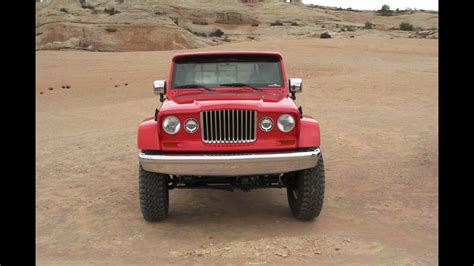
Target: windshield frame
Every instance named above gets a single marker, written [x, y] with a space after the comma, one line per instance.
[230, 59]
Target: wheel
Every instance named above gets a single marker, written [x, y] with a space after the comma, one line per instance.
[306, 192]
[154, 197]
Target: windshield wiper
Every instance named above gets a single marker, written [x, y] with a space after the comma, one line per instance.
[192, 86]
[238, 84]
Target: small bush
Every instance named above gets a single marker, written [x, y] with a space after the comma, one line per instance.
[351, 29]
[110, 29]
[160, 13]
[406, 26]
[175, 20]
[294, 24]
[254, 24]
[111, 11]
[63, 10]
[276, 23]
[216, 33]
[369, 25]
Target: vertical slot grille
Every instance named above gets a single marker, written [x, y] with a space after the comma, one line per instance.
[229, 126]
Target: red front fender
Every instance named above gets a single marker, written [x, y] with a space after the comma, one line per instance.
[309, 133]
[148, 138]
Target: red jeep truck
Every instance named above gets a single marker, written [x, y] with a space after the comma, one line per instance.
[229, 120]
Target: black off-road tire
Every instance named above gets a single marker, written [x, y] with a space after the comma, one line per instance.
[306, 192]
[154, 197]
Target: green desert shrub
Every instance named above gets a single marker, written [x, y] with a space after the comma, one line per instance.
[406, 26]
[111, 11]
[369, 25]
[276, 23]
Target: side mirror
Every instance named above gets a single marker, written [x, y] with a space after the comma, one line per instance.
[295, 85]
[159, 87]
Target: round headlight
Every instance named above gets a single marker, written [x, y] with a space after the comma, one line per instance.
[171, 125]
[266, 124]
[191, 125]
[286, 123]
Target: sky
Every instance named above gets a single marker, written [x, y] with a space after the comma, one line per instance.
[377, 4]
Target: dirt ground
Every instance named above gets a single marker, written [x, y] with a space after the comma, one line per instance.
[376, 99]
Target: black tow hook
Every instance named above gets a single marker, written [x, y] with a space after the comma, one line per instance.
[301, 111]
[156, 114]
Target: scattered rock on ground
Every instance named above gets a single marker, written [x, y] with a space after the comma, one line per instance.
[325, 35]
[282, 254]
[426, 34]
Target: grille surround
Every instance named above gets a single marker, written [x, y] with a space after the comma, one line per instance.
[228, 126]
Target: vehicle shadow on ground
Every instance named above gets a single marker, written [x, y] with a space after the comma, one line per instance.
[219, 207]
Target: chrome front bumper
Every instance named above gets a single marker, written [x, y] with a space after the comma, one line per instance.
[230, 164]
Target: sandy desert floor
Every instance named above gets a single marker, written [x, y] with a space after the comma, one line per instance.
[375, 97]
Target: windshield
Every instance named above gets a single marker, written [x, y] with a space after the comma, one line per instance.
[215, 74]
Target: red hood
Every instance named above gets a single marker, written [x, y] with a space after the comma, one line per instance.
[189, 96]
[196, 101]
